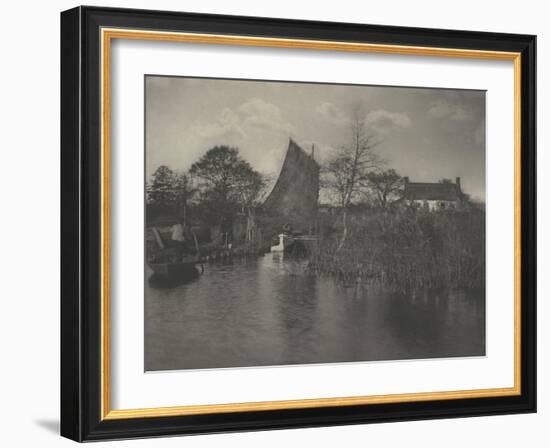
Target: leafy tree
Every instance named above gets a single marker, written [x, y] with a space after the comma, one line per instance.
[226, 182]
[387, 186]
[160, 189]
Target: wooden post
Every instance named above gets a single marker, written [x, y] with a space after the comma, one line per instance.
[158, 238]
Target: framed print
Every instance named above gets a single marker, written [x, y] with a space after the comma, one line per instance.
[276, 224]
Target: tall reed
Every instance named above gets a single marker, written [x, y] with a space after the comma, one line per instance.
[407, 249]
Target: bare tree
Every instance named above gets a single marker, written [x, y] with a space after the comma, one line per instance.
[387, 187]
[346, 174]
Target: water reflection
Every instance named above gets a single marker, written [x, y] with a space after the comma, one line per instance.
[266, 311]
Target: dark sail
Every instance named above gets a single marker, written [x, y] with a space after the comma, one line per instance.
[296, 192]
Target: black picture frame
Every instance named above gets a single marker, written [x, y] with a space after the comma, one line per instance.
[81, 224]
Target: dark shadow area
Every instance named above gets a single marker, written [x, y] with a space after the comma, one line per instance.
[171, 281]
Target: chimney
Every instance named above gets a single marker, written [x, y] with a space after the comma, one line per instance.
[406, 179]
[313, 151]
[458, 182]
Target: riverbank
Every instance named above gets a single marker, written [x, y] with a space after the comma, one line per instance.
[203, 252]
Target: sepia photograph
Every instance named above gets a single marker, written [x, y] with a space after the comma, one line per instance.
[282, 223]
[294, 223]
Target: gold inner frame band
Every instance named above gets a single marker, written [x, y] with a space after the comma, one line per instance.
[107, 35]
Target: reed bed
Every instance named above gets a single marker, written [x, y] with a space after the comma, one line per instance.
[407, 250]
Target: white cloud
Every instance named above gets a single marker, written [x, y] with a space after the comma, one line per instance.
[444, 109]
[251, 116]
[258, 113]
[254, 124]
[228, 123]
[331, 113]
[382, 121]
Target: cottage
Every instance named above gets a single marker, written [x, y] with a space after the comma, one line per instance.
[434, 196]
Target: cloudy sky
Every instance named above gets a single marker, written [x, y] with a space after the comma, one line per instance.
[426, 134]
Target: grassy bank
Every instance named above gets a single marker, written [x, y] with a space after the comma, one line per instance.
[407, 250]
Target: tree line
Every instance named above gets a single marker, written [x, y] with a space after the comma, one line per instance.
[220, 184]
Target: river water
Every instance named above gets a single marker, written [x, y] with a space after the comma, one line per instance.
[266, 311]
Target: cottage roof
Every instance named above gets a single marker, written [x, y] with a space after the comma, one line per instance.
[425, 191]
